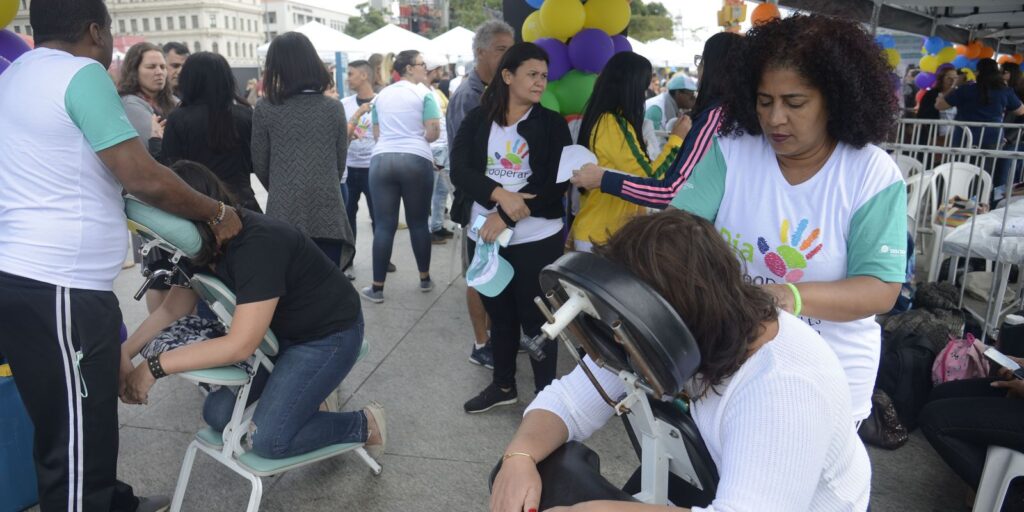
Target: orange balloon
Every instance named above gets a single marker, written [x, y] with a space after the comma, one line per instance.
[973, 50]
[1004, 58]
[960, 49]
[1018, 58]
[987, 52]
[764, 13]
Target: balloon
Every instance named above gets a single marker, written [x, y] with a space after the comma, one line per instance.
[1005, 58]
[1018, 58]
[892, 56]
[946, 55]
[11, 45]
[4, 64]
[558, 57]
[969, 74]
[764, 13]
[549, 101]
[562, 19]
[622, 44]
[934, 44]
[8, 10]
[960, 49]
[925, 79]
[611, 16]
[986, 52]
[532, 28]
[885, 41]
[961, 61]
[973, 50]
[535, 3]
[573, 91]
[972, 64]
[590, 49]
[929, 63]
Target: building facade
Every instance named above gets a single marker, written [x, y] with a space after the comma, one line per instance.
[232, 28]
[281, 16]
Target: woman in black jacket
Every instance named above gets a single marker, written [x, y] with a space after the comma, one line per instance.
[504, 164]
[213, 125]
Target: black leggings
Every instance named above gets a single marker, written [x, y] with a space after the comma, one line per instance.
[513, 309]
[961, 420]
[408, 178]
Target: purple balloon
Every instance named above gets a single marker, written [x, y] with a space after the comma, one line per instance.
[621, 44]
[558, 57]
[925, 79]
[4, 63]
[12, 45]
[590, 49]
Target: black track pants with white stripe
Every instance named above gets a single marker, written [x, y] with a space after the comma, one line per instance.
[72, 403]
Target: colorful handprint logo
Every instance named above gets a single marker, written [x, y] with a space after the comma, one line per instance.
[514, 155]
[790, 258]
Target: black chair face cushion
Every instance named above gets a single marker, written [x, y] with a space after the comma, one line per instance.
[663, 341]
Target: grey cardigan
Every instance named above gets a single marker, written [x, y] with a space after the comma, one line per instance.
[298, 153]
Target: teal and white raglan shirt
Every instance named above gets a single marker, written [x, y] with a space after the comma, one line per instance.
[399, 113]
[61, 214]
[848, 220]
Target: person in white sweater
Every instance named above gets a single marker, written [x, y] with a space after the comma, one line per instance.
[770, 398]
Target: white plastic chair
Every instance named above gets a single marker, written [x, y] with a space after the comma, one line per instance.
[909, 166]
[953, 179]
[226, 447]
[1002, 465]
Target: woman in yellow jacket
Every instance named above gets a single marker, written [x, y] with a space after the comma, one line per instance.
[611, 128]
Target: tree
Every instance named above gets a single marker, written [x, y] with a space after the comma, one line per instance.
[368, 21]
[649, 21]
[471, 13]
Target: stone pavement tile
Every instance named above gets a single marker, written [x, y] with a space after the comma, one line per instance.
[441, 483]
[179, 411]
[386, 325]
[913, 477]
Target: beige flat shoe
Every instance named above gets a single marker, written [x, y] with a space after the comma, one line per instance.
[377, 411]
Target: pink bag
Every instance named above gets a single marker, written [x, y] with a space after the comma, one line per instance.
[961, 359]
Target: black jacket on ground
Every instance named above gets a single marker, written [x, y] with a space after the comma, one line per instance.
[545, 132]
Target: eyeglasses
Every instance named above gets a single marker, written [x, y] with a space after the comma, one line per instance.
[697, 59]
[424, 64]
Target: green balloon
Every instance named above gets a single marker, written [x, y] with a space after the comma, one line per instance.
[573, 90]
[549, 101]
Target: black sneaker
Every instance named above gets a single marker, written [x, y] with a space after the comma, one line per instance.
[445, 233]
[482, 356]
[492, 396]
[391, 267]
[437, 238]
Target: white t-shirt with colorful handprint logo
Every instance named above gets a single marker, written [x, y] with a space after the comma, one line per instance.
[508, 163]
[848, 220]
[360, 148]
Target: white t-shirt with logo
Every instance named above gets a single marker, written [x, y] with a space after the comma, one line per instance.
[508, 163]
[400, 111]
[61, 214]
[848, 220]
[360, 148]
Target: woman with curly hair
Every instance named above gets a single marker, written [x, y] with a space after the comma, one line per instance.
[795, 184]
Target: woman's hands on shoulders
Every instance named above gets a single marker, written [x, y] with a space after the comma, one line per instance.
[516, 487]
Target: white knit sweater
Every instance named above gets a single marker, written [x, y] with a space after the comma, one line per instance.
[779, 429]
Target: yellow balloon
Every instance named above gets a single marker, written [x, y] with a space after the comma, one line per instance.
[562, 19]
[929, 63]
[968, 74]
[8, 10]
[532, 28]
[946, 55]
[893, 57]
[611, 16]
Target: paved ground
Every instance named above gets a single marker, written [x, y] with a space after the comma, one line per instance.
[438, 457]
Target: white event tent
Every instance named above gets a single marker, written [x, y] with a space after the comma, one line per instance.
[662, 52]
[456, 44]
[327, 42]
[393, 39]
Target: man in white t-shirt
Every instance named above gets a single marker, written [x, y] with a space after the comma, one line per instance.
[360, 139]
[66, 153]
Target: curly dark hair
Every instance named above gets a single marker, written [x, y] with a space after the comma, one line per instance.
[835, 55]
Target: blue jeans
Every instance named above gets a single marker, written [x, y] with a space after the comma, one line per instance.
[287, 421]
[358, 184]
[400, 179]
[439, 201]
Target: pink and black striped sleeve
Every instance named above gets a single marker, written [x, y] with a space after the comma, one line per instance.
[658, 193]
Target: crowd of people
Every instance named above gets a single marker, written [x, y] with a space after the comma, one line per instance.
[785, 236]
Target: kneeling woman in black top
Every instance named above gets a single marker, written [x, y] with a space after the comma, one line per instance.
[504, 164]
[282, 281]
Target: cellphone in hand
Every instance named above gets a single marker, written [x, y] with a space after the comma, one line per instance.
[999, 358]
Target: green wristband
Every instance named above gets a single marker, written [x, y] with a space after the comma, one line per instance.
[798, 303]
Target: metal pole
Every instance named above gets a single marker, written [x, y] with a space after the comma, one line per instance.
[876, 11]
